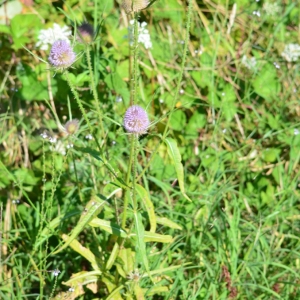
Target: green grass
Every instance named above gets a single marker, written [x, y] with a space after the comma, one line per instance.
[203, 206]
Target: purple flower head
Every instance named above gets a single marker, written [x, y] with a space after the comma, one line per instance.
[85, 33]
[61, 54]
[136, 120]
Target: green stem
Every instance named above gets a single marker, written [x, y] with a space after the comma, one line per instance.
[94, 89]
[135, 57]
[187, 37]
[126, 195]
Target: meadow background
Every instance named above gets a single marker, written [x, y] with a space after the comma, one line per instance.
[212, 201]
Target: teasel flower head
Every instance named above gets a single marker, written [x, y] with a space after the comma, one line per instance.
[134, 5]
[136, 120]
[71, 127]
[61, 55]
[86, 33]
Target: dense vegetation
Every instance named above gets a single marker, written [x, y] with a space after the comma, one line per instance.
[149, 151]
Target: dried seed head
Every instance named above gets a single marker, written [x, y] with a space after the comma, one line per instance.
[61, 54]
[71, 126]
[134, 5]
[136, 120]
[85, 33]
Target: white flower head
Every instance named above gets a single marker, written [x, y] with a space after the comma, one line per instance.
[291, 52]
[271, 9]
[48, 36]
[143, 34]
[249, 63]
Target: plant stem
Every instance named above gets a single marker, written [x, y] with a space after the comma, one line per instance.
[126, 196]
[94, 89]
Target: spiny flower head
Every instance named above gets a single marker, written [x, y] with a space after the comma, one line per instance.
[71, 126]
[85, 33]
[61, 54]
[136, 120]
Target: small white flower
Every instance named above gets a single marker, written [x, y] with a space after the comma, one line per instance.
[52, 140]
[143, 34]
[70, 146]
[55, 272]
[89, 137]
[223, 94]
[44, 135]
[249, 63]
[181, 92]
[296, 131]
[257, 13]
[17, 201]
[291, 52]
[71, 289]
[277, 66]
[161, 100]
[48, 36]
[119, 99]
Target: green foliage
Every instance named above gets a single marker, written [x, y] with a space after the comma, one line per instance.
[204, 205]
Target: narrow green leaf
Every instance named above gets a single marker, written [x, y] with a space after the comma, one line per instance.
[155, 237]
[83, 278]
[83, 251]
[166, 222]
[140, 245]
[174, 154]
[115, 295]
[149, 206]
[112, 256]
[49, 230]
[108, 227]
[92, 209]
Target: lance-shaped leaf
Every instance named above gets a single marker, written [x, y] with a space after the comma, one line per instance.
[83, 278]
[155, 237]
[149, 206]
[175, 156]
[167, 222]
[92, 209]
[83, 251]
[109, 227]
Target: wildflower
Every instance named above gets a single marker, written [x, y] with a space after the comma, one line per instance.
[276, 65]
[59, 147]
[143, 34]
[296, 131]
[291, 52]
[271, 9]
[249, 63]
[85, 33]
[71, 126]
[136, 120]
[61, 54]
[44, 135]
[134, 5]
[119, 99]
[89, 137]
[257, 13]
[48, 36]
[134, 275]
[55, 272]
[52, 140]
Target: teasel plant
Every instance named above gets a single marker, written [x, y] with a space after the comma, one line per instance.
[132, 265]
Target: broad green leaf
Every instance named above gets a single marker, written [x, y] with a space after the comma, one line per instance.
[149, 206]
[108, 227]
[166, 222]
[178, 120]
[271, 154]
[175, 156]
[83, 251]
[92, 209]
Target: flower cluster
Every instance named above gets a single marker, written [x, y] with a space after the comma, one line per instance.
[136, 120]
[291, 52]
[249, 63]
[48, 36]
[271, 9]
[61, 55]
[143, 34]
